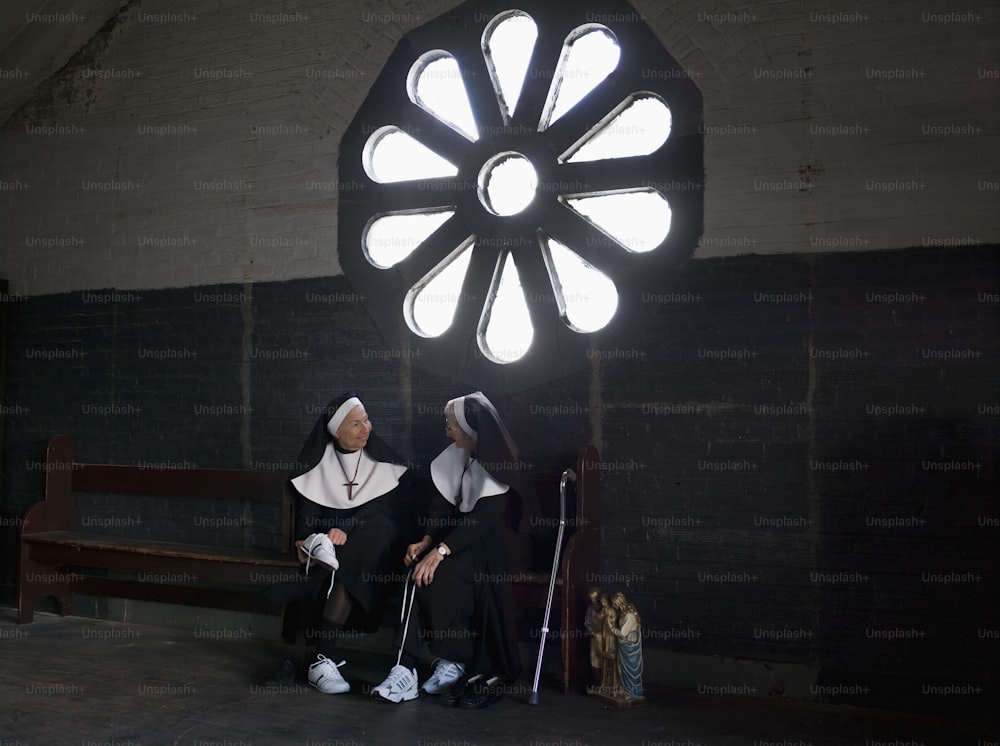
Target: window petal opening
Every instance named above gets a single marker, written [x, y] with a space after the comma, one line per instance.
[390, 238]
[638, 219]
[587, 298]
[436, 85]
[638, 126]
[429, 306]
[391, 155]
[508, 43]
[505, 330]
[589, 55]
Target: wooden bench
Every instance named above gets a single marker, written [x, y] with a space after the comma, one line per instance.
[579, 565]
[57, 560]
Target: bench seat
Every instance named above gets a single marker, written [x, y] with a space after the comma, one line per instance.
[225, 564]
[58, 561]
[62, 563]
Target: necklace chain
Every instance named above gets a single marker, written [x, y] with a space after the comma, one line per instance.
[350, 485]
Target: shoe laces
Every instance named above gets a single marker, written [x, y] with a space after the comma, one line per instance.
[397, 673]
[320, 658]
[310, 548]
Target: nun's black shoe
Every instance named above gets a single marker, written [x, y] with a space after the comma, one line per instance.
[482, 693]
[450, 697]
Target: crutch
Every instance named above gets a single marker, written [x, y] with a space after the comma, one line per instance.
[567, 476]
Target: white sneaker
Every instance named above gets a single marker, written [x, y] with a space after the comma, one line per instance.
[399, 686]
[318, 548]
[445, 674]
[323, 675]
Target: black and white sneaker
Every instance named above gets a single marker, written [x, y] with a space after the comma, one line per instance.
[319, 549]
[325, 676]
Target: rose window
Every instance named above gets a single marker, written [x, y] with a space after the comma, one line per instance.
[498, 206]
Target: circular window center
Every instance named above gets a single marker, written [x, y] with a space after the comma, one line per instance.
[507, 183]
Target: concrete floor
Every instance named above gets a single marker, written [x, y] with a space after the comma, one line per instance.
[75, 680]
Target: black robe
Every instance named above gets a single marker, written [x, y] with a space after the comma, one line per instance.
[378, 532]
[467, 612]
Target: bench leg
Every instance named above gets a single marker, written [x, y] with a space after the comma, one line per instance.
[25, 610]
[38, 581]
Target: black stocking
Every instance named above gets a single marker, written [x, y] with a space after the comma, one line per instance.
[335, 612]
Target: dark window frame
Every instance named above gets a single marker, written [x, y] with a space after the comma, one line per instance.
[676, 169]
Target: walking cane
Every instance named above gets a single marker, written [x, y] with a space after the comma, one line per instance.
[568, 476]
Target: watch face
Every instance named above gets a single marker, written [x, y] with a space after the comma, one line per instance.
[441, 551]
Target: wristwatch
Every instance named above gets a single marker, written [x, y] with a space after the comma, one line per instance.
[442, 550]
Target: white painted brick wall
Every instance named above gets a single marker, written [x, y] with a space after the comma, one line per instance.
[195, 189]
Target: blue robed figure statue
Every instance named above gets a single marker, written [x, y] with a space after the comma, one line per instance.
[628, 633]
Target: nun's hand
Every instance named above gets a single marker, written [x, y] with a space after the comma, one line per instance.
[414, 551]
[423, 574]
[337, 537]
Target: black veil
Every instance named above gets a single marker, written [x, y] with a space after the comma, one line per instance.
[497, 452]
[315, 445]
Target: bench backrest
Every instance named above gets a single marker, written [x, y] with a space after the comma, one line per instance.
[582, 508]
[64, 476]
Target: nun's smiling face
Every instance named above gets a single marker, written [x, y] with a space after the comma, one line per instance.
[354, 430]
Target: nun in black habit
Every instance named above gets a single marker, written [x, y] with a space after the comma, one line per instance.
[354, 492]
[463, 594]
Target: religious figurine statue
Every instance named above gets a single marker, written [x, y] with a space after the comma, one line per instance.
[615, 649]
[592, 623]
[599, 622]
[628, 633]
[609, 645]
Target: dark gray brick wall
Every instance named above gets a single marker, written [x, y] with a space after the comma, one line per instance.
[799, 451]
